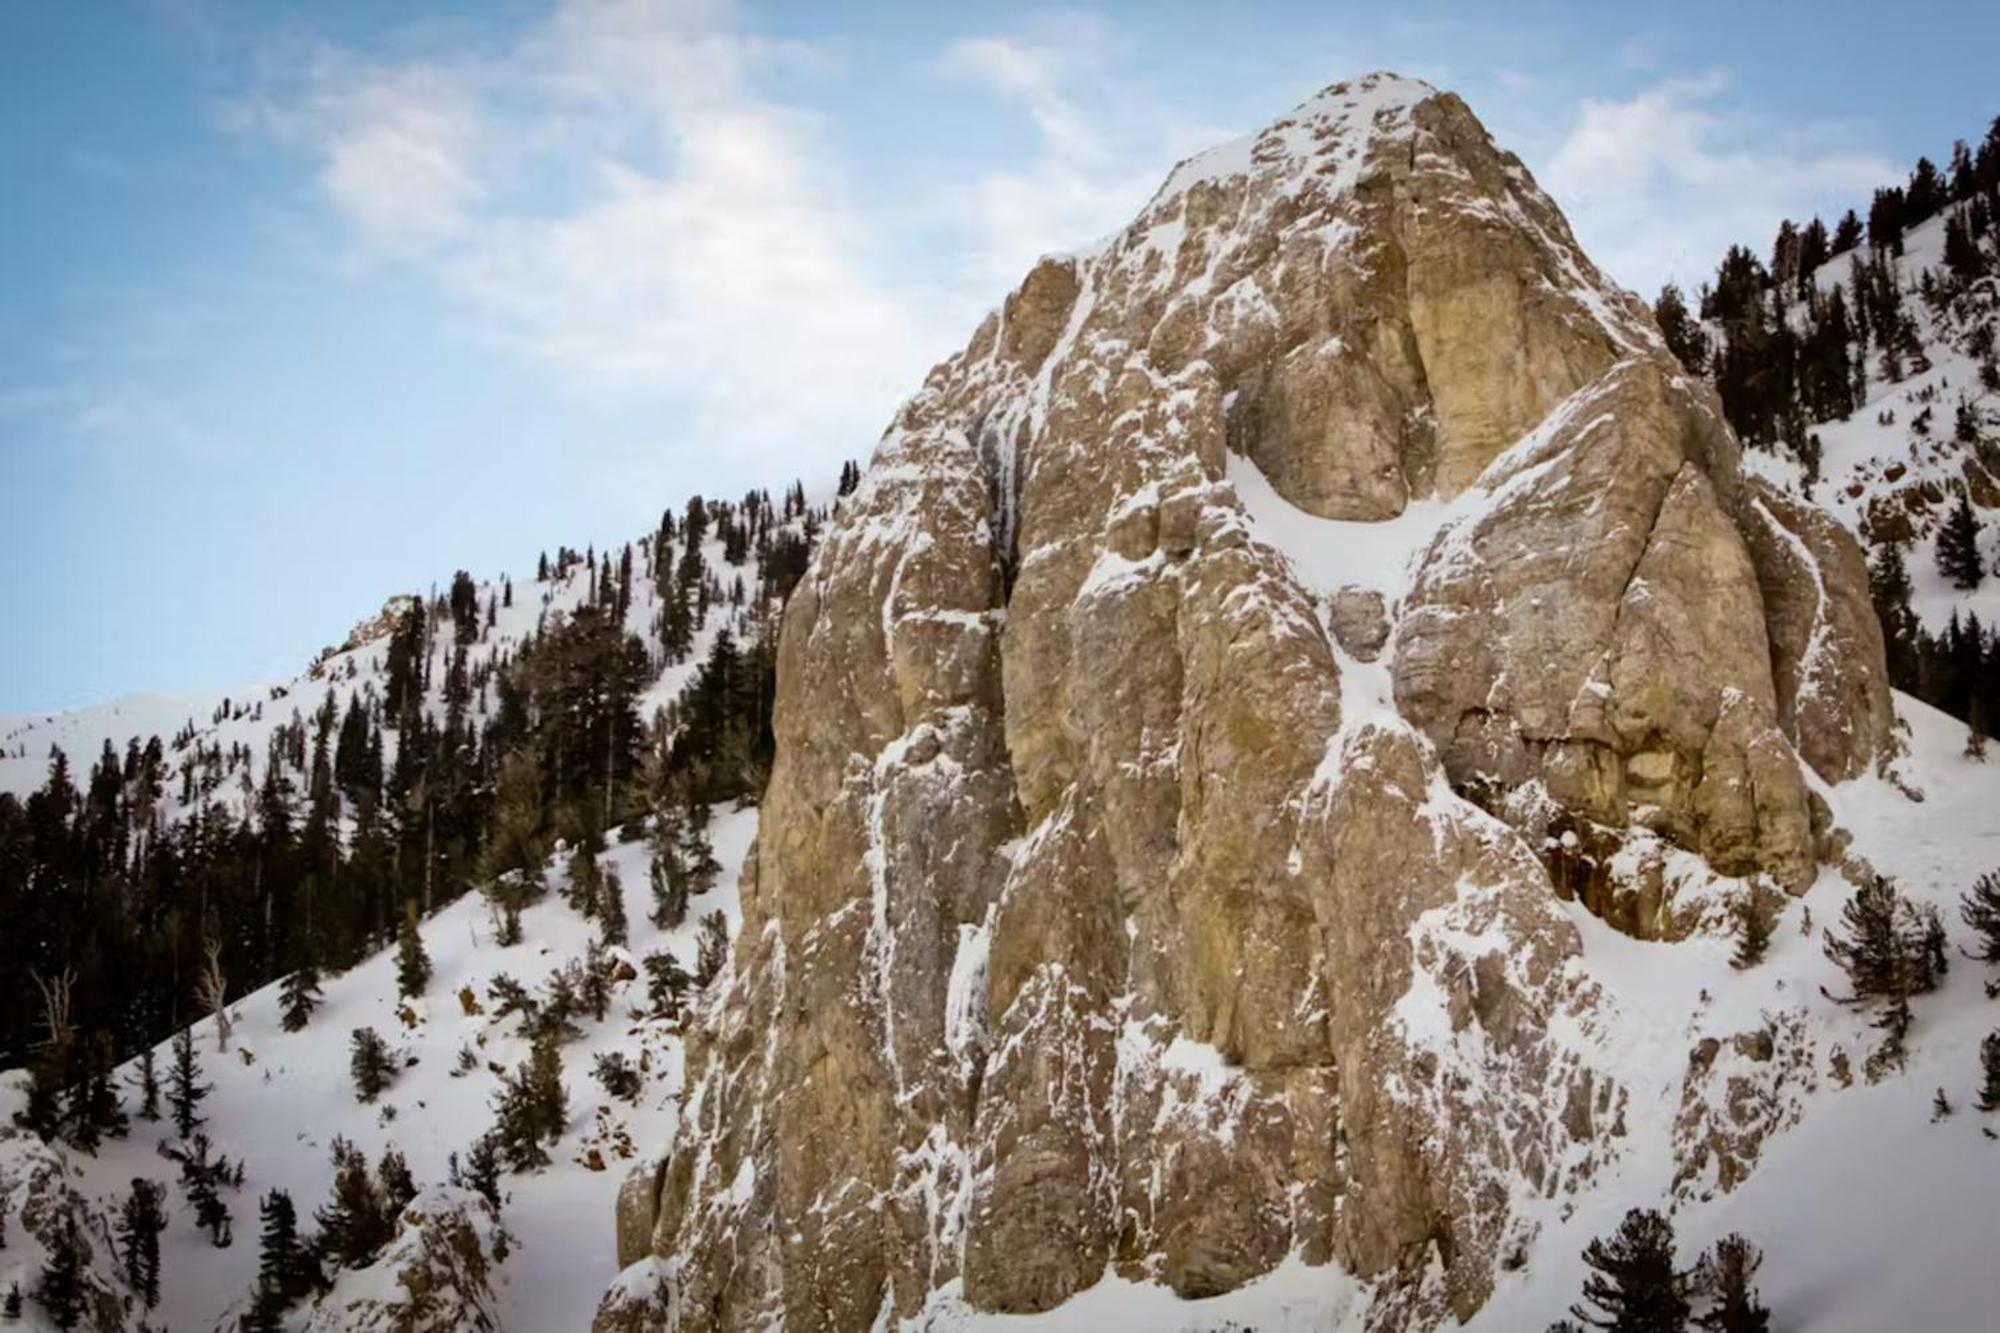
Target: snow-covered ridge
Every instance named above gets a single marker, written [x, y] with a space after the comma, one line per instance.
[1894, 461]
[1329, 132]
[223, 736]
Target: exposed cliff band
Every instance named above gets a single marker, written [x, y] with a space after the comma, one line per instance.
[1107, 912]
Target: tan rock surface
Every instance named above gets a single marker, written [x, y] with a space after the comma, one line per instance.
[1098, 918]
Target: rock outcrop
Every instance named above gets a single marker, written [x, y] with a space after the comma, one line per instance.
[40, 1200]
[434, 1276]
[1111, 910]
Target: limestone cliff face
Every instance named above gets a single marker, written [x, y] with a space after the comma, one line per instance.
[1106, 912]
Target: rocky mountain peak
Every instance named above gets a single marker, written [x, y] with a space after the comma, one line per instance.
[1334, 130]
[1187, 734]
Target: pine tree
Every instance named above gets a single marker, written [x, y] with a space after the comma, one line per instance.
[1890, 952]
[618, 1076]
[1724, 1277]
[413, 965]
[60, 1289]
[1885, 951]
[1846, 232]
[204, 1178]
[94, 1108]
[696, 852]
[585, 882]
[47, 1077]
[185, 1090]
[555, 1017]
[370, 1063]
[513, 842]
[669, 876]
[1989, 1068]
[612, 926]
[298, 998]
[355, 1224]
[711, 949]
[1889, 590]
[283, 1266]
[1682, 331]
[10, 1309]
[1980, 909]
[666, 983]
[398, 1186]
[1752, 919]
[482, 1169]
[140, 1223]
[595, 991]
[1958, 547]
[149, 1086]
[533, 1109]
[1633, 1286]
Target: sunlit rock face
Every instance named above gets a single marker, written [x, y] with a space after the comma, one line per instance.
[1131, 898]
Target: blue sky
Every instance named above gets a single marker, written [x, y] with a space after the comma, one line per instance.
[305, 305]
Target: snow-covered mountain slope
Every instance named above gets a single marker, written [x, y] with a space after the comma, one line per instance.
[1892, 470]
[222, 738]
[281, 1098]
[1267, 772]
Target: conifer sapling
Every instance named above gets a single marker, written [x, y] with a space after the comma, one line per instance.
[1989, 1070]
[1979, 908]
[1753, 925]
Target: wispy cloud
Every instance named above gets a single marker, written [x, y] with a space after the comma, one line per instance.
[616, 197]
[1658, 185]
[1104, 143]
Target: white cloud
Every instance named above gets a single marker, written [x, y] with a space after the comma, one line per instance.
[615, 197]
[402, 159]
[1659, 185]
[1104, 144]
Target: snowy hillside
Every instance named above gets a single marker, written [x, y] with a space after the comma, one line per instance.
[1267, 807]
[281, 1098]
[262, 764]
[223, 740]
[1891, 470]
